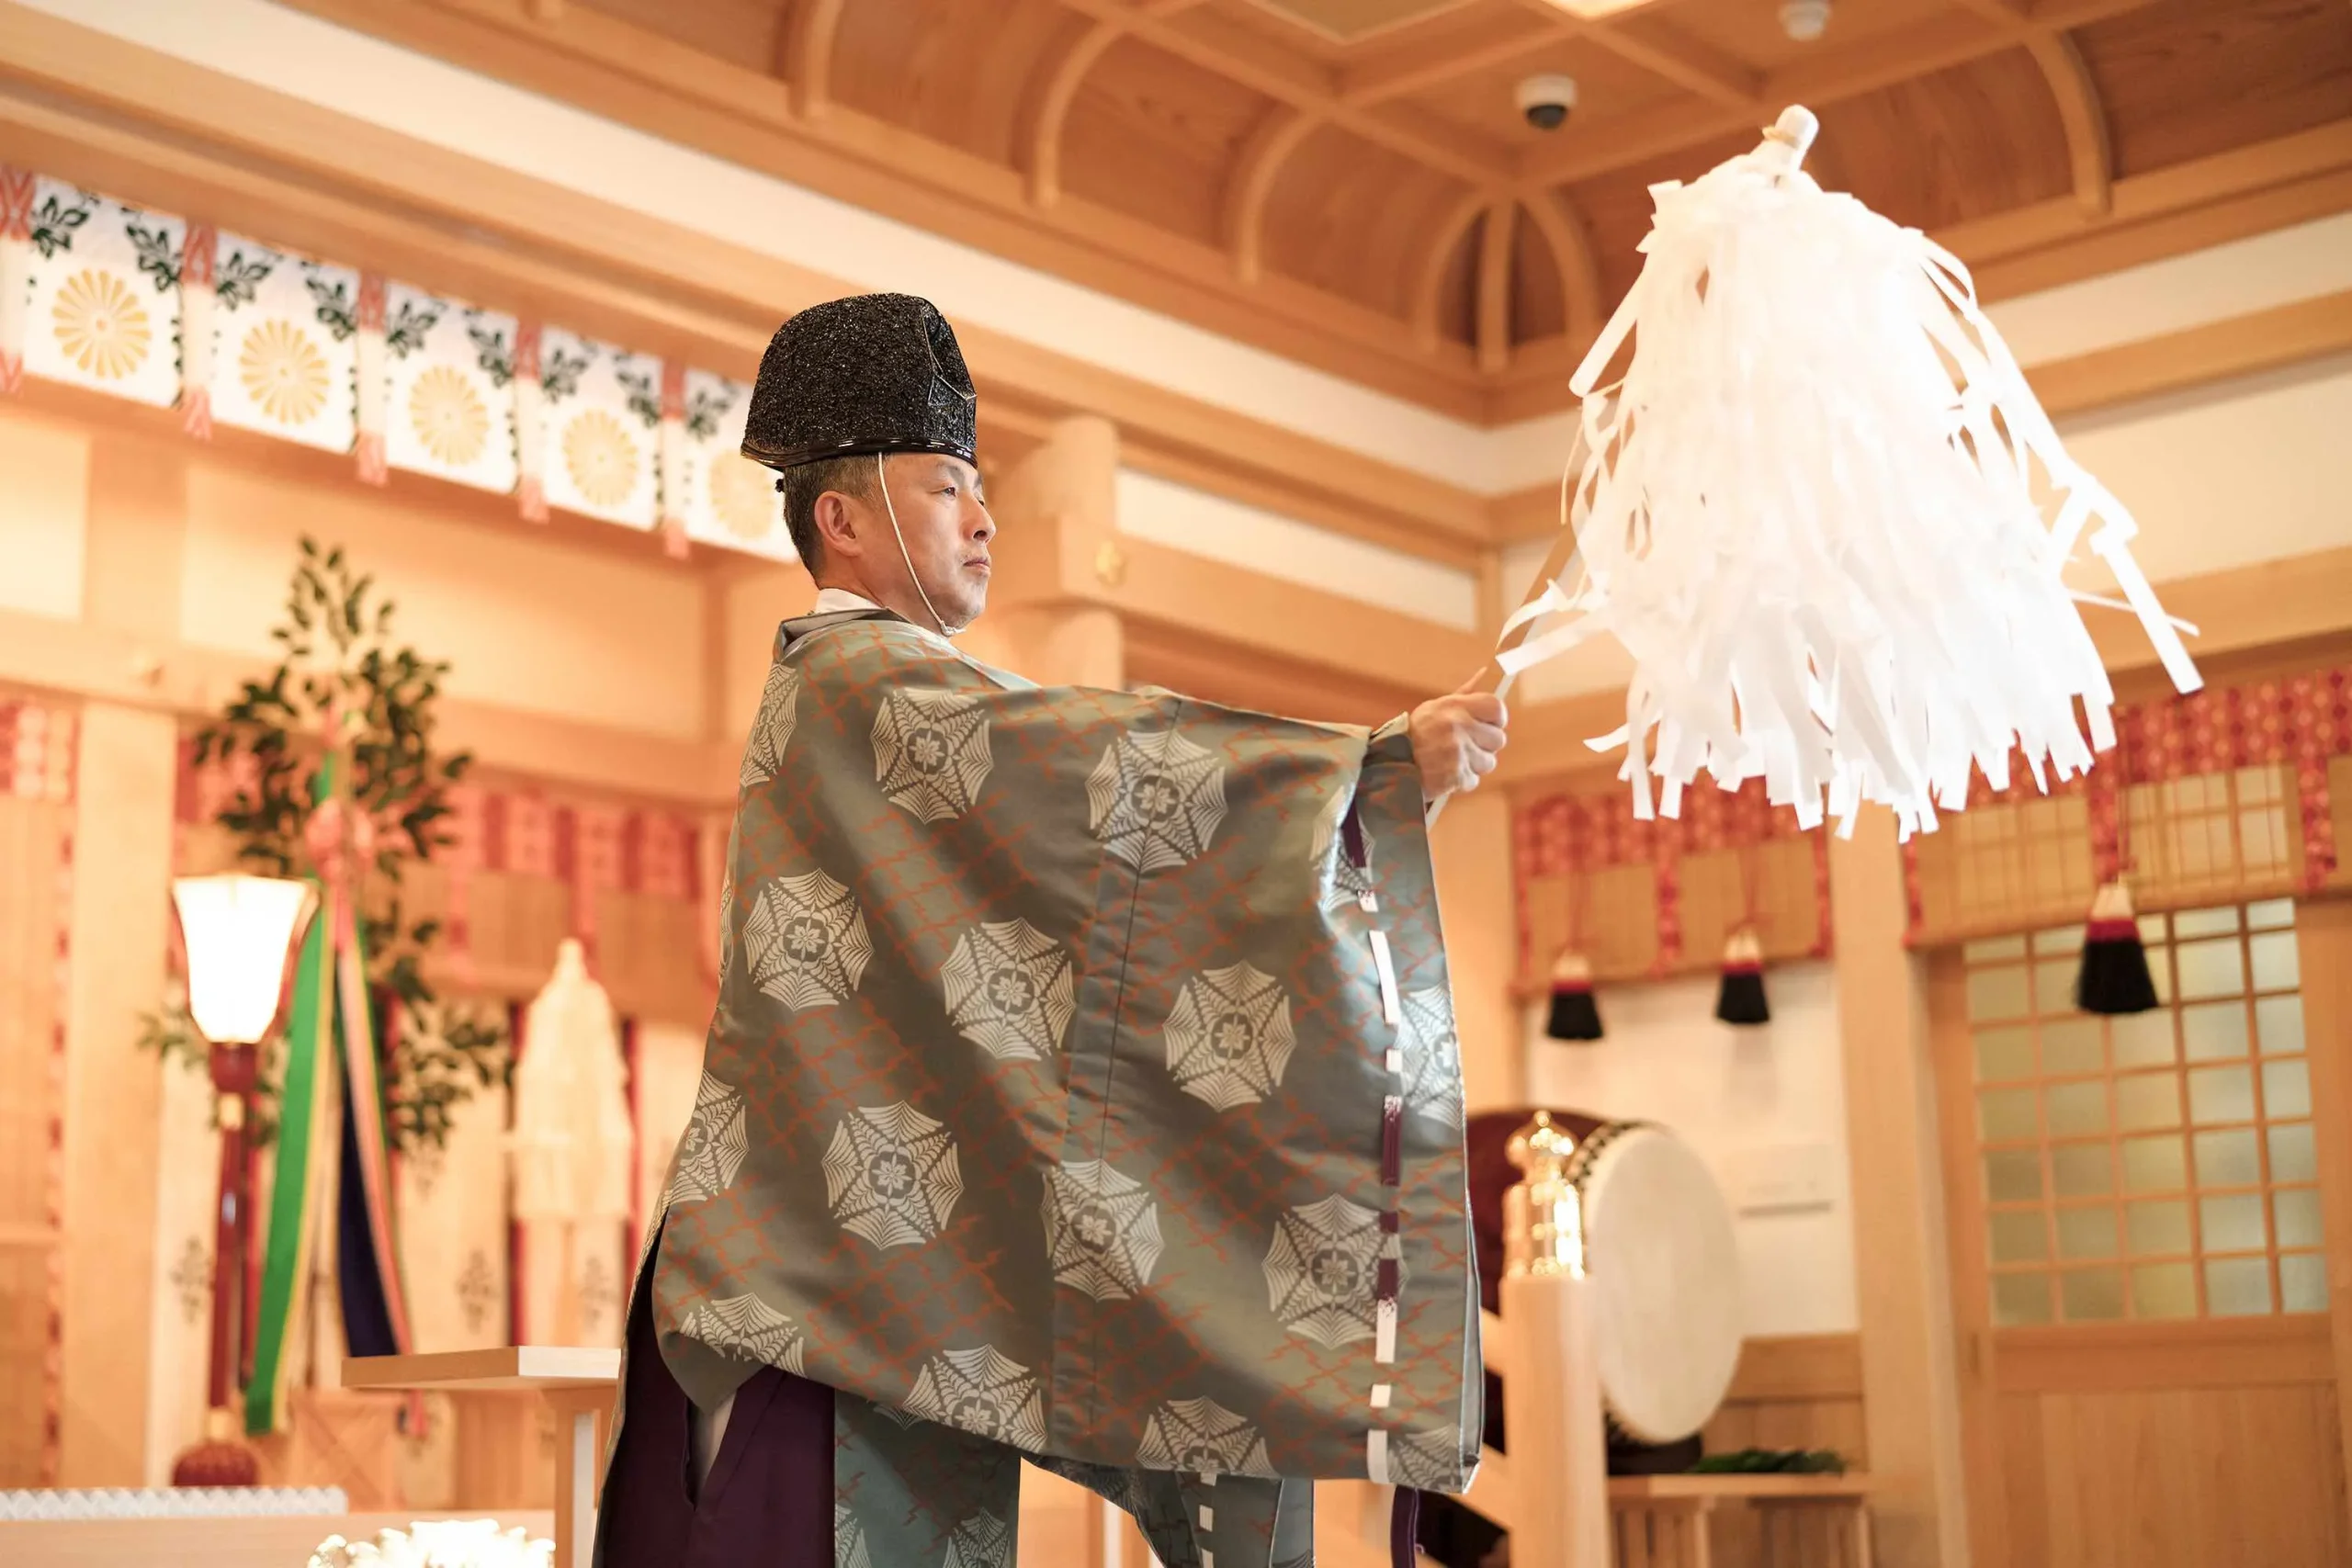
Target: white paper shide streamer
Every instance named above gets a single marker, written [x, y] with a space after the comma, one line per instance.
[1826, 516]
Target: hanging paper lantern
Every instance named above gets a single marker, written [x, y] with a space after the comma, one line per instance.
[1813, 510]
[2114, 977]
[1575, 1015]
[1741, 997]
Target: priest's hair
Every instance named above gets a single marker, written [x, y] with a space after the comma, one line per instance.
[801, 485]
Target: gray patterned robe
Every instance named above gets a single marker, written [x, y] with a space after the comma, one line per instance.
[1083, 1088]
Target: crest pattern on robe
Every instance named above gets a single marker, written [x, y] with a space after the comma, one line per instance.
[1082, 1089]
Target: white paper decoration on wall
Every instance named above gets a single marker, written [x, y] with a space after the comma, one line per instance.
[105, 305]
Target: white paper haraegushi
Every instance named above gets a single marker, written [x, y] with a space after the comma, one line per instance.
[1826, 516]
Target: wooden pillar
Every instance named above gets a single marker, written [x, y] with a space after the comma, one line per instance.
[118, 932]
[2324, 940]
[1064, 645]
[1910, 1382]
[1471, 849]
[120, 928]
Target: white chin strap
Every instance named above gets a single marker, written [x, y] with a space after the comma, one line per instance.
[883, 480]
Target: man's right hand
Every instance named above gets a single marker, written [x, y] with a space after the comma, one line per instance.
[1457, 739]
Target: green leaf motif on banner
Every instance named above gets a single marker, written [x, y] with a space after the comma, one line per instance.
[335, 307]
[644, 397]
[54, 221]
[406, 331]
[158, 257]
[493, 349]
[560, 371]
[705, 409]
[240, 274]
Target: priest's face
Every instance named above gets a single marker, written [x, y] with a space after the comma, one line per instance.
[944, 517]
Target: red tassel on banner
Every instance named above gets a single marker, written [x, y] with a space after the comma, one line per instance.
[672, 458]
[1740, 1000]
[16, 271]
[2114, 977]
[374, 390]
[1575, 1015]
[1741, 997]
[530, 437]
[199, 264]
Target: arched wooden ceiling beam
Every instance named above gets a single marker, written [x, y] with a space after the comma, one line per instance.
[1429, 271]
[1055, 91]
[1268, 69]
[1831, 76]
[1250, 183]
[805, 51]
[2080, 111]
[1492, 317]
[1571, 245]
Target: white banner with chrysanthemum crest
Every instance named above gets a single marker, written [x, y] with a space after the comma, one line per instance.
[283, 353]
[104, 301]
[730, 499]
[602, 429]
[448, 412]
[166, 311]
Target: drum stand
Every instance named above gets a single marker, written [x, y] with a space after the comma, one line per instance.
[1542, 1345]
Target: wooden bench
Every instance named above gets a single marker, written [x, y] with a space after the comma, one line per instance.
[577, 1381]
[1809, 1521]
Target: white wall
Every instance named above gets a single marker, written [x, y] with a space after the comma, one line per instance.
[1772, 1097]
[1202, 524]
[2251, 470]
[526, 620]
[2213, 285]
[44, 499]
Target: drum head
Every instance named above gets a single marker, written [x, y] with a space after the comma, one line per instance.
[1665, 1276]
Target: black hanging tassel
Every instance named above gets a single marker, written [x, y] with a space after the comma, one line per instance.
[2114, 977]
[1575, 1015]
[1741, 999]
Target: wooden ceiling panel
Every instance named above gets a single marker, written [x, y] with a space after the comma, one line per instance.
[1236, 165]
[1977, 139]
[1484, 101]
[2187, 78]
[1281, 27]
[1537, 308]
[1750, 30]
[1155, 137]
[951, 71]
[732, 29]
[1457, 290]
[1348, 23]
[1357, 220]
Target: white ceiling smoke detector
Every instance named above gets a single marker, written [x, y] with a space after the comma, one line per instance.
[1805, 20]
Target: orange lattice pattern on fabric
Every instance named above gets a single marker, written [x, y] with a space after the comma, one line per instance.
[2226, 794]
[1657, 898]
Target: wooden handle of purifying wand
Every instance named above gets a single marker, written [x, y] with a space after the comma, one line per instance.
[1491, 676]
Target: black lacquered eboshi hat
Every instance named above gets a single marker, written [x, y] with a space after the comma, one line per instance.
[871, 373]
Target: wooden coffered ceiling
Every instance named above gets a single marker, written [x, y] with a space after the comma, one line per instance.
[1349, 182]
